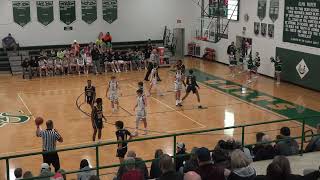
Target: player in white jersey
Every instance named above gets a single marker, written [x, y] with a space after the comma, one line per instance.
[80, 65]
[154, 81]
[43, 66]
[50, 65]
[58, 65]
[112, 93]
[141, 113]
[178, 86]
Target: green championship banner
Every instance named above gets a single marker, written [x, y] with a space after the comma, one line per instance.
[67, 11]
[89, 11]
[301, 22]
[21, 12]
[300, 68]
[262, 9]
[274, 10]
[45, 12]
[110, 10]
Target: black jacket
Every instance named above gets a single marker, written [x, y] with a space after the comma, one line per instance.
[171, 175]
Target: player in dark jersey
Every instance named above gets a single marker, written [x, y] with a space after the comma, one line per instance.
[90, 93]
[192, 86]
[122, 135]
[97, 119]
[277, 67]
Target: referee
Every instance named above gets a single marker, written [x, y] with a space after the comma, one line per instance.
[49, 138]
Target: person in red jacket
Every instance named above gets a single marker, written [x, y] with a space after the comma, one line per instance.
[107, 39]
[132, 173]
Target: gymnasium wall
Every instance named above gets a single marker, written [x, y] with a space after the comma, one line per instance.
[264, 45]
[137, 20]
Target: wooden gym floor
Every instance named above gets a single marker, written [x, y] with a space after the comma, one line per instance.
[56, 97]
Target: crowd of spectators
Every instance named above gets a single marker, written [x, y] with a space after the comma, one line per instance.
[228, 160]
[96, 57]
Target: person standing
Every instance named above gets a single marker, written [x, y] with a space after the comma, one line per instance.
[97, 120]
[122, 135]
[154, 59]
[141, 114]
[95, 54]
[50, 136]
[90, 93]
[192, 86]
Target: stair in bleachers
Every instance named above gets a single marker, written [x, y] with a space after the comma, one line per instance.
[4, 63]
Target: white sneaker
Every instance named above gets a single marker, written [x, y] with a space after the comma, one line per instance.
[145, 132]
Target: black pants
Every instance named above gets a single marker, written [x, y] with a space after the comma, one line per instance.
[52, 158]
[149, 68]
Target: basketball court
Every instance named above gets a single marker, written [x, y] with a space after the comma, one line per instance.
[61, 99]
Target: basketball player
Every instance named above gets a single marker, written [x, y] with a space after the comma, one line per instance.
[178, 86]
[277, 67]
[112, 93]
[256, 64]
[90, 93]
[250, 69]
[183, 71]
[141, 114]
[192, 86]
[43, 66]
[140, 86]
[232, 63]
[122, 135]
[96, 119]
[154, 81]
[80, 65]
[58, 65]
[50, 65]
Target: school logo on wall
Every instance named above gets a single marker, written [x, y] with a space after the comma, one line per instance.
[302, 69]
[6, 118]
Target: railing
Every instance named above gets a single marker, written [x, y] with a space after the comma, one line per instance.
[174, 140]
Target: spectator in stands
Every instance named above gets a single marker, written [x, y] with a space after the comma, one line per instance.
[258, 145]
[86, 172]
[46, 171]
[314, 144]
[191, 175]
[168, 170]
[181, 156]
[155, 171]
[266, 151]
[27, 174]
[57, 176]
[286, 146]
[139, 164]
[94, 177]
[49, 138]
[274, 172]
[221, 154]
[26, 69]
[63, 172]
[240, 167]
[206, 169]
[75, 48]
[192, 163]
[18, 173]
[107, 38]
[131, 172]
[231, 49]
[9, 43]
[95, 54]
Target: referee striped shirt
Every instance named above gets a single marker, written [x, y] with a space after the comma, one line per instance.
[49, 139]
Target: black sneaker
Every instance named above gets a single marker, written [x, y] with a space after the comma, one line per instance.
[179, 104]
[200, 107]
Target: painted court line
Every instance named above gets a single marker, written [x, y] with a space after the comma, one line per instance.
[25, 105]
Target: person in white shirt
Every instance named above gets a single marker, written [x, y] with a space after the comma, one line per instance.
[141, 113]
[112, 93]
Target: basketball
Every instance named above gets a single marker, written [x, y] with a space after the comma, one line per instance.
[38, 121]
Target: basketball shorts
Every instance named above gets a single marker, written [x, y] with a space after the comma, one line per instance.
[141, 114]
[121, 153]
[192, 88]
[89, 99]
[113, 97]
[177, 87]
[98, 124]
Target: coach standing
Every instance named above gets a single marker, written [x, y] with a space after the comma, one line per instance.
[49, 138]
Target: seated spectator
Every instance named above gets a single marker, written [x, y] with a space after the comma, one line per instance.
[45, 171]
[168, 170]
[27, 174]
[86, 172]
[314, 144]
[258, 145]
[139, 164]
[155, 171]
[206, 169]
[94, 177]
[181, 155]
[274, 172]
[192, 163]
[191, 175]
[131, 172]
[221, 154]
[240, 167]
[9, 43]
[266, 151]
[63, 172]
[18, 173]
[286, 146]
[57, 176]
